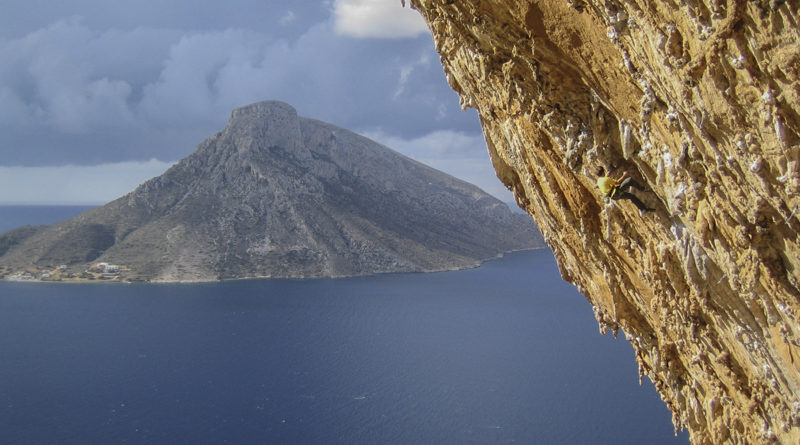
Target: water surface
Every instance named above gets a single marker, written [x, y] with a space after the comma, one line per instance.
[506, 353]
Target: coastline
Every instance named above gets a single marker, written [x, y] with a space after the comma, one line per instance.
[121, 280]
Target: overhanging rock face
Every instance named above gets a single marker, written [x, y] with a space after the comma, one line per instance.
[698, 101]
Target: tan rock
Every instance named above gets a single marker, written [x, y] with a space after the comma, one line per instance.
[699, 101]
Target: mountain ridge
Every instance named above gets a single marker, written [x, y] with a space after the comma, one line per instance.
[274, 194]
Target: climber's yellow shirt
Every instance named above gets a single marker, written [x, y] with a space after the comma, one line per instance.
[606, 184]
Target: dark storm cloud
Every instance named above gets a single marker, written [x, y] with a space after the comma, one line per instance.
[21, 18]
[155, 84]
[94, 91]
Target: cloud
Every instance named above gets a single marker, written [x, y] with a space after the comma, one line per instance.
[72, 94]
[440, 144]
[70, 78]
[114, 85]
[407, 70]
[376, 19]
[75, 184]
[288, 18]
[204, 76]
[19, 18]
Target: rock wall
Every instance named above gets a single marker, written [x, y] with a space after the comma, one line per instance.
[698, 101]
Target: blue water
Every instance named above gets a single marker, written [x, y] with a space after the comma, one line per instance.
[506, 353]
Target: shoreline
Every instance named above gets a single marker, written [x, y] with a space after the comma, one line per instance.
[116, 280]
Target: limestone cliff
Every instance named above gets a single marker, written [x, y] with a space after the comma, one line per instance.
[699, 100]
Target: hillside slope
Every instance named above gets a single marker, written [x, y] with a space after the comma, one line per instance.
[278, 195]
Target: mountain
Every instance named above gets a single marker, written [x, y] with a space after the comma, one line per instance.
[699, 101]
[277, 195]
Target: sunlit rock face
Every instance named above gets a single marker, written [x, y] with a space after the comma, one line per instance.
[698, 101]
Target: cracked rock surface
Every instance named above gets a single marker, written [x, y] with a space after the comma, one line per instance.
[700, 102]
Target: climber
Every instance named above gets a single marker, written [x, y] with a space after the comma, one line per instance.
[617, 189]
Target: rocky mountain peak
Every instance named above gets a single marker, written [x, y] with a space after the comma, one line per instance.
[266, 110]
[263, 126]
[278, 195]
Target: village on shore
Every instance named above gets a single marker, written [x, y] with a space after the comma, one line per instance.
[96, 272]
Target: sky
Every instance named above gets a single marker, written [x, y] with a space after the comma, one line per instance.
[99, 96]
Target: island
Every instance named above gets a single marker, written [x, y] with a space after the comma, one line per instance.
[276, 195]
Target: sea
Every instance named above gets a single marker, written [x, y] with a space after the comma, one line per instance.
[506, 353]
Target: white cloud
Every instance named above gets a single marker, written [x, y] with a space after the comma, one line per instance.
[75, 184]
[288, 18]
[376, 19]
[406, 71]
[186, 90]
